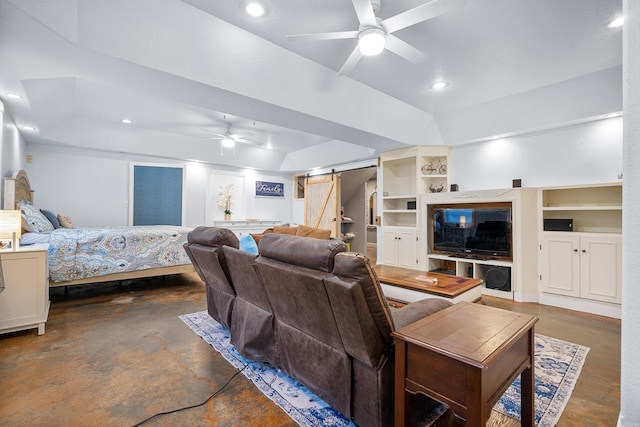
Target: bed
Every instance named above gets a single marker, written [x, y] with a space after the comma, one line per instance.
[98, 254]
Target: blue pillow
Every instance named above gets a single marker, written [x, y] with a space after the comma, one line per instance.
[247, 244]
[53, 219]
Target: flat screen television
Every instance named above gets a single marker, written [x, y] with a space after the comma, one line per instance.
[476, 230]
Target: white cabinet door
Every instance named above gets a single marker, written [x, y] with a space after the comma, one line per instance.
[389, 248]
[407, 249]
[585, 266]
[399, 248]
[600, 267]
[561, 264]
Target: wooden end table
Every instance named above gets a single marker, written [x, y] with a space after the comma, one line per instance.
[466, 356]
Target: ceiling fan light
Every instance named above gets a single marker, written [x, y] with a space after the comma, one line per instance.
[227, 142]
[371, 41]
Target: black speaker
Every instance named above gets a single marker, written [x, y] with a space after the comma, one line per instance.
[454, 187]
[558, 224]
[498, 278]
[517, 183]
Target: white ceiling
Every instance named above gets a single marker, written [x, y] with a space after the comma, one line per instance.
[178, 67]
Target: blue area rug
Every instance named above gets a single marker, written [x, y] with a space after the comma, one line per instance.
[557, 367]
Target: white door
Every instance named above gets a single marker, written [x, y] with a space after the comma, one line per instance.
[407, 249]
[600, 266]
[560, 265]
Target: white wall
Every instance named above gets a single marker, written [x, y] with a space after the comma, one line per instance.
[12, 147]
[630, 374]
[93, 187]
[579, 154]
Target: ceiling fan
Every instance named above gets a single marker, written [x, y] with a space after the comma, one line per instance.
[374, 34]
[228, 139]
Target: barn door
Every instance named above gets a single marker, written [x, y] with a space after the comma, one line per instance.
[321, 202]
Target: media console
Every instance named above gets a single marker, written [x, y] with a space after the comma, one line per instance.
[512, 274]
[496, 274]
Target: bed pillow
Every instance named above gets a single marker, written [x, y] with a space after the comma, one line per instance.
[53, 219]
[34, 238]
[33, 220]
[65, 221]
[247, 244]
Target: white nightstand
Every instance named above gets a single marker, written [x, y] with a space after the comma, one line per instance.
[24, 302]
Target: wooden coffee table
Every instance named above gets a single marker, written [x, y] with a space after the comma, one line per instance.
[466, 356]
[401, 284]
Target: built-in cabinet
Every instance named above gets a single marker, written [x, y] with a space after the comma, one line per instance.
[405, 174]
[519, 275]
[585, 266]
[580, 268]
[400, 247]
[24, 302]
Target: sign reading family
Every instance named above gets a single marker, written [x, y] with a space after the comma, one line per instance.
[269, 189]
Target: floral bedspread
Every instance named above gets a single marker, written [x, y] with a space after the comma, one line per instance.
[80, 253]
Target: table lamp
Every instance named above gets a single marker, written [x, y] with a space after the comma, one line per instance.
[11, 227]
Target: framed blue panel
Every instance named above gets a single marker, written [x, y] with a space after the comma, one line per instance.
[157, 195]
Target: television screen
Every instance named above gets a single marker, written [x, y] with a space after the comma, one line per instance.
[480, 230]
[458, 216]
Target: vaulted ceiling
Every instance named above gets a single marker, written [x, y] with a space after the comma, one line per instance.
[182, 70]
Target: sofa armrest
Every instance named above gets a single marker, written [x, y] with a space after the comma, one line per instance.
[415, 311]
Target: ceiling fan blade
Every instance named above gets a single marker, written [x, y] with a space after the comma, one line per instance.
[351, 62]
[364, 10]
[416, 15]
[336, 35]
[247, 141]
[404, 50]
[213, 132]
[240, 134]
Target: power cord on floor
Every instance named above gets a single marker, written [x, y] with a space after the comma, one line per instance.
[173, 411]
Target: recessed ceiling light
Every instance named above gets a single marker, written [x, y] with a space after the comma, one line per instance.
[616, 22]
[269, 146]
[14, 96]
[126, 121]
[611, 115]
[439, 85]
[255, 9]
[28, 128]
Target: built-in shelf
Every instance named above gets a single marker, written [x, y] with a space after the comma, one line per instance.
[584, 208]
[581, 269]
[407, 173]
[407, 196]
[433, 176]
[591, 209]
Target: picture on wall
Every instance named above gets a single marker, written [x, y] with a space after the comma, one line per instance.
[225, 192]
[269, 189]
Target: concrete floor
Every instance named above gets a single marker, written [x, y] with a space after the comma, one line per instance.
[114, 355]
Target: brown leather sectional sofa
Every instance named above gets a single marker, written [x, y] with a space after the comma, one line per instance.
[312, 309]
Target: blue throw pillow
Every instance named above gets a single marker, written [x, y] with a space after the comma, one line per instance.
[53, 218]
[247, 244]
